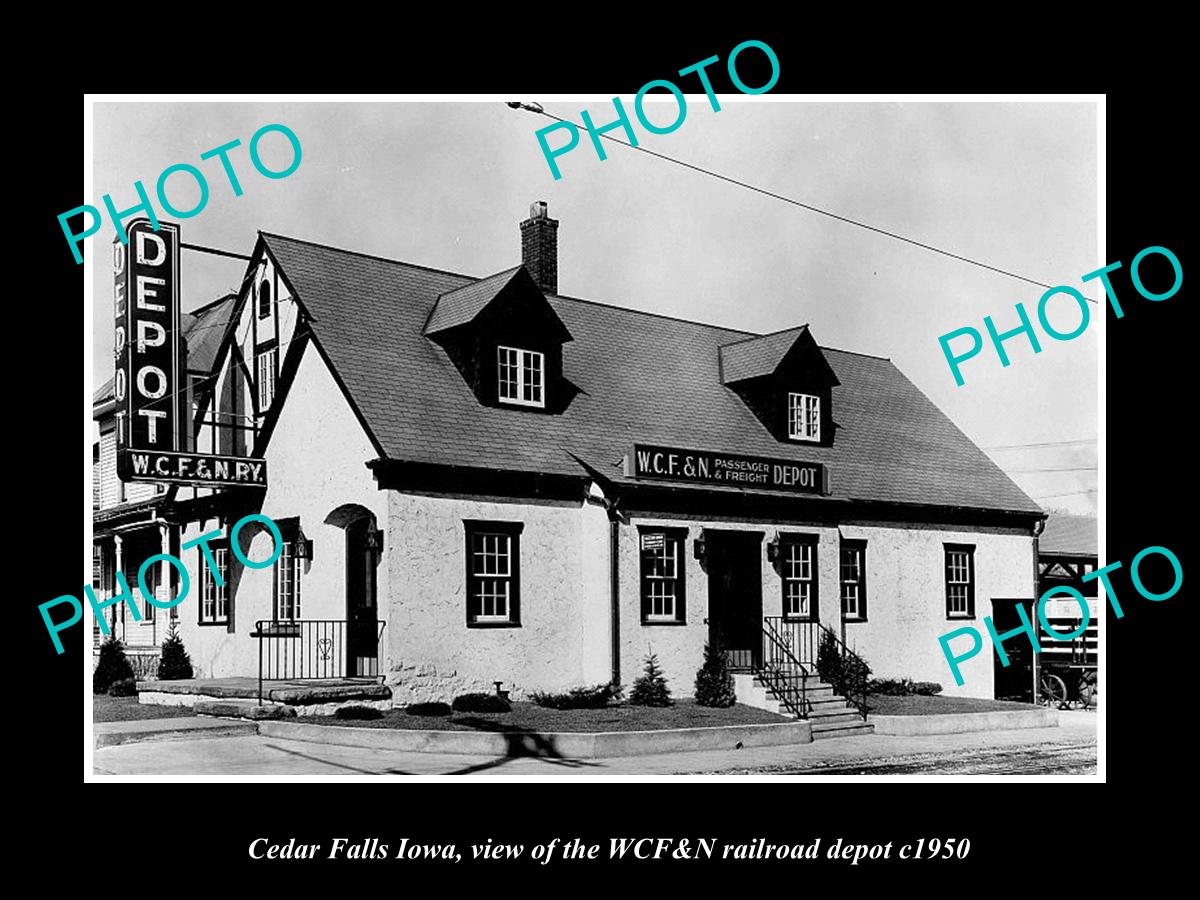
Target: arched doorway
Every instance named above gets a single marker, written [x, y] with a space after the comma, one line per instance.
[363, 546]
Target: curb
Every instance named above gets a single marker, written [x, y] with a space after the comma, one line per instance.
[959, 723]
[224, 729]
[575, 745]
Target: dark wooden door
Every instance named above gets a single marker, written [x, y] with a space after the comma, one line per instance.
[362, 621]
[1014, 681]
[735, 617]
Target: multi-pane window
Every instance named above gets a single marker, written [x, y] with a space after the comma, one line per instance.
[287, 583]
[798, 568]
[214, 598]
[960, 581]
[853, 577]
[266, 378]
[522, 376]
[663, 582]
[493, 572]
[804, 417]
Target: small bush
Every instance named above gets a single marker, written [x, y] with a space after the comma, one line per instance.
[829, 660]
[480, 703]
[357, 712]
[847, 672]
[126, 687]
[113, 666]
[428, 709]
[174, 663]
[890, 687]
[714, 683]
[650, 689]
[596, 697]
[903, 687]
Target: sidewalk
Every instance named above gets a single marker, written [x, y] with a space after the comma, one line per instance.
[257, 755]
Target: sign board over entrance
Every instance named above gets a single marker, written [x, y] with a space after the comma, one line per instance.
[729, 469]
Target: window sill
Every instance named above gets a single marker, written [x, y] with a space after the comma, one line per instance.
[664, 622]
[960, 618]
[856, 619]
[801, 619]
[484, 623]
[213, 624]
[524, 404]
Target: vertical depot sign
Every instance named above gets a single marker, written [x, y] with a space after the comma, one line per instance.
[151, 417]
[146, 303]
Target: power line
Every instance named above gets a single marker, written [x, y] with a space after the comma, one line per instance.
[808, 206]
[1067, 494]
[1045, 444]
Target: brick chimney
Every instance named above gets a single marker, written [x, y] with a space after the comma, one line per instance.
[539, 247]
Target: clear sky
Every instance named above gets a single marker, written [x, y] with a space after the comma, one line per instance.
[444, 184]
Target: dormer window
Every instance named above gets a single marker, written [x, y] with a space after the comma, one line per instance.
[522, 376]
[804, 417]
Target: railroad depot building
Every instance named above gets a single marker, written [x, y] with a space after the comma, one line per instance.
[480, 480]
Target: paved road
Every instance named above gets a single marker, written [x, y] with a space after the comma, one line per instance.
[1068, 749]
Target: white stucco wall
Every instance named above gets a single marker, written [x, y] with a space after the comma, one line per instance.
[563, 635]
[316, 462]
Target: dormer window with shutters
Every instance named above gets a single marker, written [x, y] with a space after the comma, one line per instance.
[785, 380]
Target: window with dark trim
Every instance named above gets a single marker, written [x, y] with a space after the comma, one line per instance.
[853, 580]
[663, 575]
[521, 376]
[960, 581]
[264, 299]
[798, 574]
[493, 552]
[214, 598]
[289, 571]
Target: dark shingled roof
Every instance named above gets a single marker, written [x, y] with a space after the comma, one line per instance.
[203, 328]
[641, 377]
[459, 306]
[1070, 536]
[752, 357]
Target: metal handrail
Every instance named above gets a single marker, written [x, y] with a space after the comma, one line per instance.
[782, 672]
[858, 698]
[304, 649]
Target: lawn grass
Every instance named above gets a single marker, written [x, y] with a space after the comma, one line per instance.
[916, 705]
[528, 717]
[127, 709]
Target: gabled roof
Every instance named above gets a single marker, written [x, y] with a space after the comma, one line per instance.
[461, 305]
[1069, 536]
[465, 304]
[763, 355]
[203, 329]
[641, 378]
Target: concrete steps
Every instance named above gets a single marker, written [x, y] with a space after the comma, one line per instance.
[830, 715]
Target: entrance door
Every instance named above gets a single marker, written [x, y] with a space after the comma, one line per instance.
[735, 616]
[1014, 681]
[362, 626]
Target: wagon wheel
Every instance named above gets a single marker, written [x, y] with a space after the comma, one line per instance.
[1089, 693]
[1054, 691]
